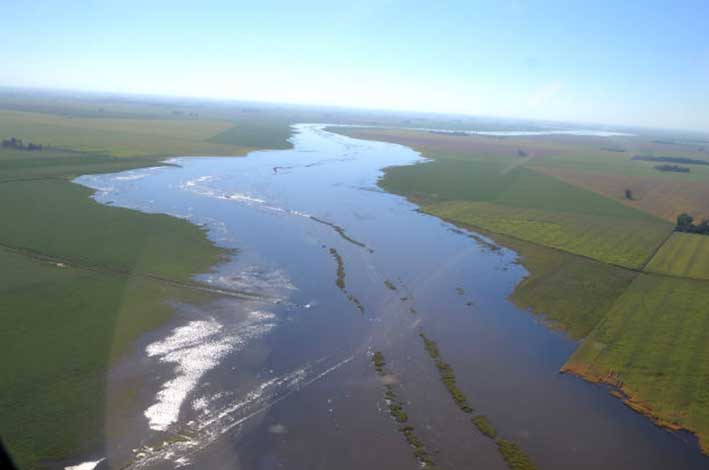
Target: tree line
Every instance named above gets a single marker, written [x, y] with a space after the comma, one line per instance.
[18, 144]
[685, 223]
[675, 168]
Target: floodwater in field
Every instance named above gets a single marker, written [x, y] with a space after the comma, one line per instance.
[337, 269]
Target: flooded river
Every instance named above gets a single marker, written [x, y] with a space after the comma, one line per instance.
[337, 269]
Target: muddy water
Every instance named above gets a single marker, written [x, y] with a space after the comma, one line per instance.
[342, 269]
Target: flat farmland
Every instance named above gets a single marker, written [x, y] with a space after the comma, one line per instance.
[684, 254]
[571, 293]
[609, 239]
[654, 345]
[665, 196]
[119, 137]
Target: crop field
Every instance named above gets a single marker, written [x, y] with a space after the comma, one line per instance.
[90, 294]
[257, 133]
[654, 345]
[664, 196]
[685, 254]
[572, 293]
[62, 327]
[72, 294]
[583, 162]
[609, 239]
[53, 163]
[90, 234]
[119, 137]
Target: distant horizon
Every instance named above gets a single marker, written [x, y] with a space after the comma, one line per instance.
[635, 64]
[226, 100]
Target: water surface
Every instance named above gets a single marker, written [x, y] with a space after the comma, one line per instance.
[285, 380]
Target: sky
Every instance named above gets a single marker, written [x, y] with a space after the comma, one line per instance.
[622, 62]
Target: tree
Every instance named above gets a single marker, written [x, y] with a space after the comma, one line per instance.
[703, 227]
[685, 222]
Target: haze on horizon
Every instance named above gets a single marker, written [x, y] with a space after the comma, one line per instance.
[637, 63]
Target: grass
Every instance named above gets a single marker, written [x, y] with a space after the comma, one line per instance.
[120, 137]
[579, 161]
[92, 234]
[51, 163]
[257, 133]
[572, 293]
[62, 327]
[501, 195]
[70, 302]
[659, 195]
[613, 240]
[684, 254]
[654, 345]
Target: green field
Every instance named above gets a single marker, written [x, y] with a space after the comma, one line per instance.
[684, 254]
[271, 134]
[613, 240]
[65, 322]
[74, 295]
[119, 137]
[572, 293]
[583, 162]
[654, 345]
[76, 277]
[500, 197]
[62, 327]
[645, 333]
[59, 219]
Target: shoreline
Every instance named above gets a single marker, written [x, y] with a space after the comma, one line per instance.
[625, 396]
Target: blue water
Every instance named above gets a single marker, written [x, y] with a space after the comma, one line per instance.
[285, 381]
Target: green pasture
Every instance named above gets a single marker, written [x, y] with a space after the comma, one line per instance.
[119, 137]
[614, 240]
[572, 293]
[59, 219]
[685, 255]
[654, 344]
[61, 328]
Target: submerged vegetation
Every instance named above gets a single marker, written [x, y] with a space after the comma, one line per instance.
[484, 426]
[397, 412]
[341, 232]
[513, 455]
[447, 375]
[340, 280]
